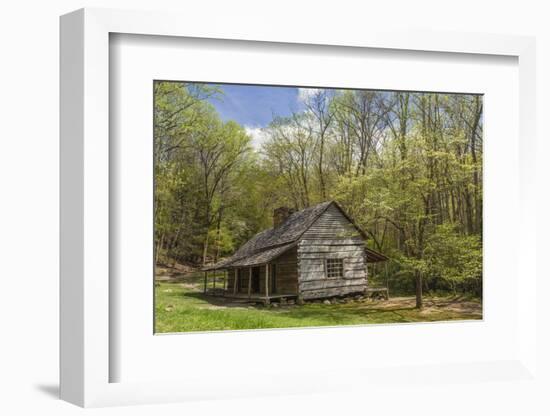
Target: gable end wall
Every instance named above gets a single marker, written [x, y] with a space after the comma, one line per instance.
[331, 236]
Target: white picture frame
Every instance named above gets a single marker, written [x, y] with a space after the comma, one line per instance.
[85, 220]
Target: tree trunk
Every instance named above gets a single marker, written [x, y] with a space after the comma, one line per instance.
[321, 174]
[418, 290]
[218, 234]
[159, 247]
[205, 249]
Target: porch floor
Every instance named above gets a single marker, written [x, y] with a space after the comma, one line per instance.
[254, 297]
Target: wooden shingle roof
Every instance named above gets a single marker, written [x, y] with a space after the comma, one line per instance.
[374, 256]
[261, 257]
[271, 243]
[289, 231]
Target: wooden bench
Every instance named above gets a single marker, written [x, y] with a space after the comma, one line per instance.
[373, 291]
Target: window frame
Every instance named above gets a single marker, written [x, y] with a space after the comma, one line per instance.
[326, 260]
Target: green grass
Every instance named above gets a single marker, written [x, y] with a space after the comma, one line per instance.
[182, 308]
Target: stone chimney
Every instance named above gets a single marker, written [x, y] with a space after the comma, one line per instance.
[280, 215]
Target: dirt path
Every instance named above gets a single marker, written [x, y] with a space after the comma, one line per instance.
[431, 304]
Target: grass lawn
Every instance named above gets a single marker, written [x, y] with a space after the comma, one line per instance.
[181, 307]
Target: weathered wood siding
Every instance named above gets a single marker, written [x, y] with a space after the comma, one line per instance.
[331, 236]
[286, 275]
[244, 280]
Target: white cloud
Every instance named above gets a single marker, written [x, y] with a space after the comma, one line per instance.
[258, 136]
[305, 93]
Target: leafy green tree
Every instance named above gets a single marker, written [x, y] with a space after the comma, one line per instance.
[406, 166]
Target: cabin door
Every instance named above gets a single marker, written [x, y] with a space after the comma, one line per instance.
[255, 284]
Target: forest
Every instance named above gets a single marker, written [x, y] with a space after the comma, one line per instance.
[406, 166]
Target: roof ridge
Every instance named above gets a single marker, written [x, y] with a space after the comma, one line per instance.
[287, 233]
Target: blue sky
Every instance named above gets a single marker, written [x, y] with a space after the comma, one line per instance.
[255, 106]
[252, 105]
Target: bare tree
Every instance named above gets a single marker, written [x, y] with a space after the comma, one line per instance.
[320, 110]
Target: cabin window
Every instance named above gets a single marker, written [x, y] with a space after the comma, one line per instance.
[334, 268]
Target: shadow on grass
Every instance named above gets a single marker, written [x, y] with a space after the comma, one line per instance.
[181, 278]
[220, 300]
[351, 312]
[335, 313]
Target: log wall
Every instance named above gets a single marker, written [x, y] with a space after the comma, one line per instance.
[332, 236]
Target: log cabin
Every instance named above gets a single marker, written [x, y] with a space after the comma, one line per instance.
[315, 253]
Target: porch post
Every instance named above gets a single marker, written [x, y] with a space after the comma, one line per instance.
[235, 280]
[387, 283]
[205, 280]
[367, 275]
[267, 283]
[249, 281]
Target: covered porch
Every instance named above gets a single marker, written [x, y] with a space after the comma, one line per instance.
[263, 276]
[245, 284]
